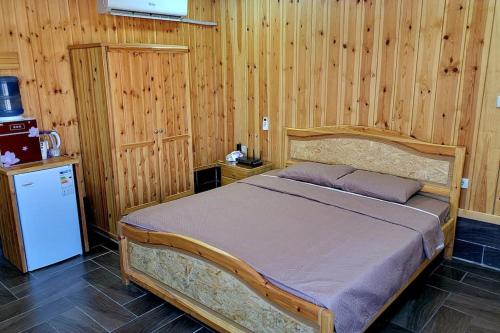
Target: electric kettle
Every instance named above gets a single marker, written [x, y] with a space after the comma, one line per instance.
[55, 142]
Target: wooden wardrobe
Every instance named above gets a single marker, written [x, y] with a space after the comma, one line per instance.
[134, 120]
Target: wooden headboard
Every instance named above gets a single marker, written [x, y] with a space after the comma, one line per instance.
[438, 167]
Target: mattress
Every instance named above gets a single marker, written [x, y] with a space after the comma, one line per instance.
[435, 206]
[346, 252]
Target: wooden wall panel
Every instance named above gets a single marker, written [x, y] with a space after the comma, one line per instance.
[417, 66]
[431, 25]
[301, 63]
[485, 192]
[387, 62]
[406, 71]
[41, 30]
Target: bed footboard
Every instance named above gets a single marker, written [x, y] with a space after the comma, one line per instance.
[213, 286]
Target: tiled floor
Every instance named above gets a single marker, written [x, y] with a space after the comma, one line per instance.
[85, 294]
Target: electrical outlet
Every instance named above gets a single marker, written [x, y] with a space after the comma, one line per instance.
[464, 183]
[265, 124]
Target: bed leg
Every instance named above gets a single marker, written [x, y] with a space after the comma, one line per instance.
[124, 260]
[326, 321]
[448, 251]
[450, 240]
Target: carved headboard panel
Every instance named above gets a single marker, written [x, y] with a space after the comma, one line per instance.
[438, 167]
[374, 155]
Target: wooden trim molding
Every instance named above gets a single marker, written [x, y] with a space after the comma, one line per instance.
[478, 216]
[143, 47]
[373, 133]
[9, 60]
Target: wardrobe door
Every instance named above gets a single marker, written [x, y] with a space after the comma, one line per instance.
[131, 77]
[174, 118]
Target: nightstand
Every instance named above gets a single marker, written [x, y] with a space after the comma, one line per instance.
[231, 173]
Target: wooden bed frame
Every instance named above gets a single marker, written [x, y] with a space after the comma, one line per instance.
[226, 293]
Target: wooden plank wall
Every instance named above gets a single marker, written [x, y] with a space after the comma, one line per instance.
[418, 67]
[39, 31]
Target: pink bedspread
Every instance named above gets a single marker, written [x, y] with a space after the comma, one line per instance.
[342, 251]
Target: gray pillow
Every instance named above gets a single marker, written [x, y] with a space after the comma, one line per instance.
[378, 185]
[315, 173]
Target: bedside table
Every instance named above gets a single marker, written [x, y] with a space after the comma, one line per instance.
[231, 173]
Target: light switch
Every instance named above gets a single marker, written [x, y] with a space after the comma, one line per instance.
[498, 102]
[265, 124]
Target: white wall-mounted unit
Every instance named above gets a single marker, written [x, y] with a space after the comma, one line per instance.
[172, 10]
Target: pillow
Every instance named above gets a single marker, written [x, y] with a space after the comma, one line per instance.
[378, 185]
[315, 173]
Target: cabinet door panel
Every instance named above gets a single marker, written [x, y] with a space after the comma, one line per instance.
[138, 174]
[176, 171]
[131, 76]
[174, 118]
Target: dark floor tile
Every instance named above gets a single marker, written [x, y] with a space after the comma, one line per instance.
[479, 325]
[463, 289]
[473, 268]
[42, 328]
[468, 251]
[152, 320]
[386, 327]
[55, 280]
[478, 232]
[469, 299]
[6, 296]
[112, 245]
[102, 309]
[448, 320]
[46, 272]
[39, 298]
[491, 257]
[75, 321]
[205, 330]
[486, 284]
[112, 286]
[449, 272]
[143, 304]
[35, 317]
[10, 276]
[420, 306]
[98, 239]
[110, 261]
[96, 251]
[183, 324]
[486, 310]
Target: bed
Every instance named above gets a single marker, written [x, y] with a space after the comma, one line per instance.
[310, 257]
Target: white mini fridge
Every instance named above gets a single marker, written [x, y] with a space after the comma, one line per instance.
[48, 214]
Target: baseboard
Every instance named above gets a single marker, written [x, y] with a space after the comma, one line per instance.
[478, 216]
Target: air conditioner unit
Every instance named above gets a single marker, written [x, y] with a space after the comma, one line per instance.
[171, 10]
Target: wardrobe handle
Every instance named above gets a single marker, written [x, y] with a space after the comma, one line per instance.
[156, 131]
